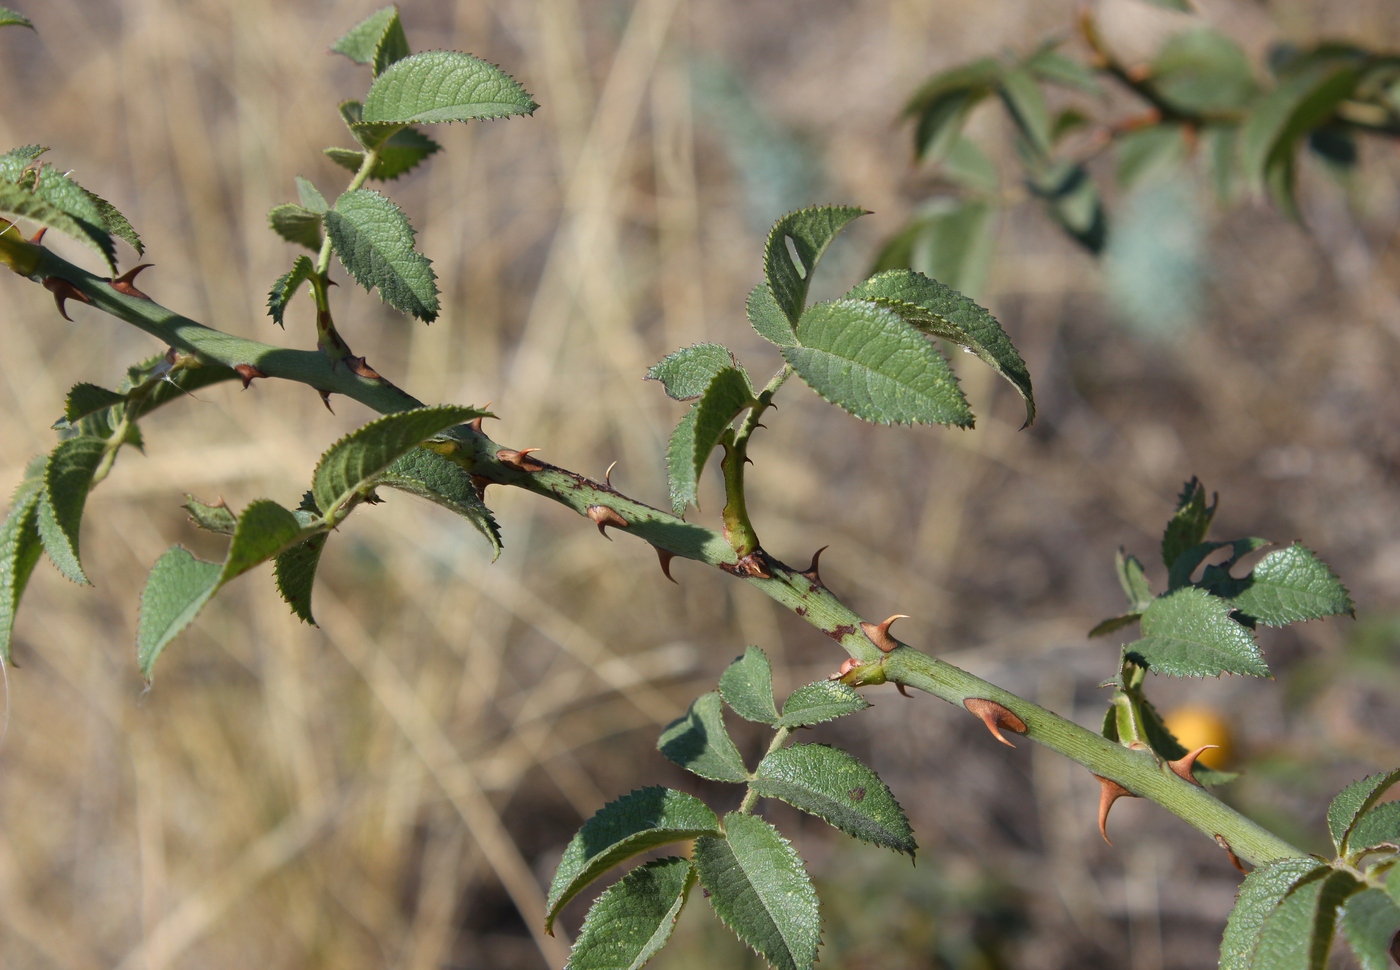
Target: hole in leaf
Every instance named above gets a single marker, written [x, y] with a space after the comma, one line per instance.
[796, 259]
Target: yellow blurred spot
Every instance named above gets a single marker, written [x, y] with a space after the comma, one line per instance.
[1195, 726]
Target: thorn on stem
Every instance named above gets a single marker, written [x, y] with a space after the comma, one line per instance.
[479, 482]
[125, 283]
[63, 291]
[475, 425]
[358, 366]
[900, 687]
[519, 460]
[666, 558]
[38, 236]
[326, 400]
[1221, 841]
[607, 475]
[1183, 765]
[603, 517]
[1109, 792]
[248, 372]
[811, 571]
[996, 717]
[879, 633]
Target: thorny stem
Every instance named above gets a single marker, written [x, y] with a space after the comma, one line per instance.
[1136, 771]
[751, 795]
[737, 527]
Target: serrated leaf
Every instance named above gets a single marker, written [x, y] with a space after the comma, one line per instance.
[26, 204]
[1114, 623]
[760, 890]
[211, 518]
[833, 785]
[868, 361]
[810, 232]
[16, 161]
[1189, 524]
[768, 319]
[1297, 935]
[85, 399]
[1371, 922]
[296, 225]
[351, 464]
[1180, 573]
[311, 197]
[400, 153]
[378, 40]
[1026, 104]
[727, 394]
[1353, 801]
[680, 463]
[631, 922]
[1189, 633]
[699, 743]
[686, 373]
[20, 547]
[943, 312]
[374, 241]
[943, 102]
[9, 18]
[295, 573]
[1133, 578]
[57, 189]
[747, 687]
[67, 479]
[286, 287]
[431, 476]
[117, 224]
[1258, 896]
[444, 86]
[819, 702]
[1378, 827]
[1203, 72]
[635, 823]
[952, 242]
[1287, 586]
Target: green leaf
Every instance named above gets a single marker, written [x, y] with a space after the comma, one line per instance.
[401, 152]
[1370, 922]
[631, 922]
[86, 399]
[819, 702]
[443, 86]
[295, 573]
[809, 232]
[1189, 633]
[311, 197]
[699, 743]
[688, 372]
[635, 823]
[57, 189]
[1113, 624]
[35, 207]
[1026, 103]
[211, 518]
[1203, 72]
[1287, 586]
[374, 241]
[1354, 801]
[833, 785]
[378, 40]
[1133, 578]
[15, 162]
[943, 102]
[8, 18]
[431, 476]
[20, 547]
[1048, 64]
[264, 530]
[1183, 6]
[67, 479]
[1189, 525]
[1392, 885]
[1258, 896]
[701, 430]
[1072, 200]
[943, 312]
[1150, 151]
[949, 241]
[350, 466]
[286, 287]
[768, 319]
[747, 686]
[296, 225]
[1380, 826]
[680, 462]
[1297, 935]
[760, 890]
[867, 360]
[117, 223]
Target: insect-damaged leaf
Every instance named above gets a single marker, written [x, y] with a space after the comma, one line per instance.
[819, 702]
[443, 86]
[810, 232]
[431, 476]
[833, 785]
[760, 890]
[20, 547]
[1352, 802]
[635, 823]
[1189, 633]
[633, 920]
[296, 224]
[867, 360]
[67, 479]
[1287, 586]
[400, 153]
[374, 241]
[378, 40]
[686, 373]
[1371, 922]
[747, 686]
[1258, 895]
[699, 743]
[286, 287]
[1297, 934]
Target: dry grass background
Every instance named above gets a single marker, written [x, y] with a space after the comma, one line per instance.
[377, 792]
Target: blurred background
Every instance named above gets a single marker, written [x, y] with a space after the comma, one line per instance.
[375, 792]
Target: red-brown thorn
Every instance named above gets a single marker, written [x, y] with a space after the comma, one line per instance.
[247, 372]
[900, 687]
[666, 558]
[63, 290]
[1235, 861]
[475, 425]
[607, 475]
[38, 236]
[811, 571]
[879, 633]
[996, 717]
[326, 400]
[358, 366]
[125, 283]
[1183, 765]
[1109, 792]
[603, 517]
[519, 460]
[480, 482]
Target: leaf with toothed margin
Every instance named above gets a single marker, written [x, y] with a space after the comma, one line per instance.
[86, 399]
[443, 482]
[1377, 828]
[768, 319]
[1353, 801]
[727, 394]
[378, 40]
[296, 224]
[819, 702]
[117, 224]
[747, 687]
[8, 18]
[868, 361]
[1371, 925]
[311, 197]
[1287, 586]
[14, 162]
[1258, 896]
[631, 922]
[638, 822]
[699, 743]
[400, 153]
[20, 547]
[1189, 633]
[374, 241]
[1189, 524]
[286, 287]
[211, 518]
[26, 204]
[833, 785]
[59, 190]
[1297, 935]
[759, 888]
[444, 86]
[295, 573]
[810, 232]
[680, 463]
[943, 312]
[687, 372]
[352, 464]
[67, 479]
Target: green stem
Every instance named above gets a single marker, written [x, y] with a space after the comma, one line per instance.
[737, 527]
[802, 593]
[323, 261]
[751, 796]
[327, 338]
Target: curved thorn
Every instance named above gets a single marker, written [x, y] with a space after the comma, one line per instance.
[607, 475]
[326, 400]
[1183, 765]
[125, 283]
[519, 460]
[900, 687]
[996, 717]
[63, 291]
[666, 558]
[811, 571]
[38, 236]
[1235, 860]
[475, 425]
[247, 372]
[879, 633]
[603, 517]
[1109, 792]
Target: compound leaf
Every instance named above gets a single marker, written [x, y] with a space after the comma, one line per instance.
[867, 360]
[699, 743]
[1189, 633]
[1352, 802]
[635, 823]
[374, 241]
[378, 40]
[1378, 827]
[686, 373]
[747, 686]
[1287, 586]
[286, 287]
[1258, 895]
[80, 205]
[431, 476]
[760, 890]
[296, 224]
[264, 530]
[1371, 922]
[400, 153]
[20, 547]
[816, 703]
[352, 463]
[1072, 200]
[768, 319]
[443, 86]
[67, 479]
[809, 232]
[1297, 935]
[631, 922]
[1188, 526]
[176, 590]
[833, 785]
[1133, 578]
